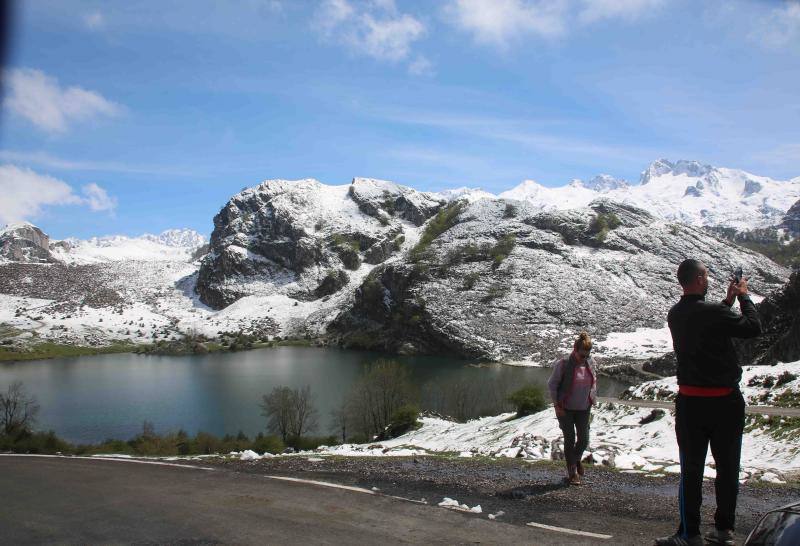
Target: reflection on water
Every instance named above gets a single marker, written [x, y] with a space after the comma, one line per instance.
[90, 399]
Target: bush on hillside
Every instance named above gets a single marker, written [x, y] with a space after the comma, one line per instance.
[527, 400]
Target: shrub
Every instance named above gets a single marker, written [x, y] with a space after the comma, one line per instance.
[495, 291]
[602, 224]
[34, 442]
[502, 249]
[784, 378]
[404, 419]
[268, 444]
[444, 220]
[529, 399]
[470, 279]
[510, 211]
[308, 443]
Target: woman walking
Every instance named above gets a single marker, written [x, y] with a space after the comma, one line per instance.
[573, 389]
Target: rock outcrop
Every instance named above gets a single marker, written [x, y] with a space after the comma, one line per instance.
[791, 220]
[288, 237]
[25, 243]
[780, 320]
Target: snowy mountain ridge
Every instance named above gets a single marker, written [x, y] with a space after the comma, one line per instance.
[169, 245]
[683, 191]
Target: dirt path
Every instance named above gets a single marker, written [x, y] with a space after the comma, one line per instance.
[760, 410]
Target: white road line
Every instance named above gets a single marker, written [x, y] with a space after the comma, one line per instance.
[407, 500]
[323, 484]
[568, 531]
[101, 458]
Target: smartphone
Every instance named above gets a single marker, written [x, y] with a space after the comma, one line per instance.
[737, 275]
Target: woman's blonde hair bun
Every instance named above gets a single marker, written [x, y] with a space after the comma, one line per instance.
[583, 342]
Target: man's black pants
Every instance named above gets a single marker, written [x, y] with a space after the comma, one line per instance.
[571, 422]
[701, 421]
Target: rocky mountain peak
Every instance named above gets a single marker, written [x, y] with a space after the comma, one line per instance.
[288, 237]
[661, 167]
[383, 199]
[602, 183]
[657, 168]
[24, 242]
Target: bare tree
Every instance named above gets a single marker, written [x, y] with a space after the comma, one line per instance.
[17, 409]
[340, 418]
[384, 387]
[289, 412]
[304, 414]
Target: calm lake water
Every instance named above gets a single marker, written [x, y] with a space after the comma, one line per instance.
[89, 399]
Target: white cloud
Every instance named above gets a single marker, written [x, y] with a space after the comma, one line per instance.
[331, 14]
[388, 39]
[780, 27]
[375, 28]
[595, 10]
[97, 198]
[26, 192]
[41, 100]
[43, 159]
[94, 20]
[421, 66]
[499, 22]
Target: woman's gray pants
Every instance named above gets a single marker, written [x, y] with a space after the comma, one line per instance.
[572, 422]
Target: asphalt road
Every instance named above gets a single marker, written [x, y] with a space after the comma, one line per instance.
[81, 501]
[761, 410]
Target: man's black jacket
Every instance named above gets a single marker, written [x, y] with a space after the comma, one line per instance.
[701, 336]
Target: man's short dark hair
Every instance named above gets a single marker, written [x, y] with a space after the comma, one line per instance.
[689, 270]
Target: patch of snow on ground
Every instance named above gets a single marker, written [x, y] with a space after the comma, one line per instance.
[642, 343]
[618, 438]
[454, 505]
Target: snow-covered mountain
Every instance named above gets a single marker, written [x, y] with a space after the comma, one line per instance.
[170, 245]
[380, 265]
[684, 191]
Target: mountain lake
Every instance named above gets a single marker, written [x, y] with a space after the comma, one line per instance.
[90, 399]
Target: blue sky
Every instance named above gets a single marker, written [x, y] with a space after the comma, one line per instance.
[132, 117]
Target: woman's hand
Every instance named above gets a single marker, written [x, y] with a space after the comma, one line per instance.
[559, 410]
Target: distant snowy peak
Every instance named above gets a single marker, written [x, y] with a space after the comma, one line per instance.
[170, 245]
[573, 195]
[177, 238]
[602, 183]
[182, 238]
[683, 191]
[660, 167]
[468, 194]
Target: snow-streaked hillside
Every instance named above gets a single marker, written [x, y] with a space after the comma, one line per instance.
[170, 245]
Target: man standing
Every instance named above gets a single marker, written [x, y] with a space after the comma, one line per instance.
[709, 408]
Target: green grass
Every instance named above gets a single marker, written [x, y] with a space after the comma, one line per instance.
[780, 428]
[7, 331]
[46, 350]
